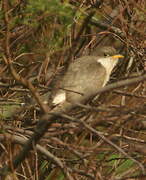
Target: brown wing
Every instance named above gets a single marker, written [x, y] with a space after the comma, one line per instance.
[84, 76]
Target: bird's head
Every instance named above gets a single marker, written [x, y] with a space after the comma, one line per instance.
[109, 61]
[104, 51]
[107, 51]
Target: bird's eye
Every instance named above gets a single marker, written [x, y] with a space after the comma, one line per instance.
[106, 55]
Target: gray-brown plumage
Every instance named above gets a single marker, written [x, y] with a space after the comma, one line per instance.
[85, 76]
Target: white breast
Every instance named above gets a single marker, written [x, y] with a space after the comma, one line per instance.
[108, 63]
[59, 98]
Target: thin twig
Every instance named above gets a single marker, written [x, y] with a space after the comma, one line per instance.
[22, 141]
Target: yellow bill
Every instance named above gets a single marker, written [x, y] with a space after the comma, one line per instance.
[117, 56]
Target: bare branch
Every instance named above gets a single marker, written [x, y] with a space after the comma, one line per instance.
[122, 83]
[22, 141]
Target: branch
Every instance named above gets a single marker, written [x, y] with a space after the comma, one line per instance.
[45, 122]
[122, 83]
[42, 150]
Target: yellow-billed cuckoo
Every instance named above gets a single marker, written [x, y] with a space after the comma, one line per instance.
[85, 76]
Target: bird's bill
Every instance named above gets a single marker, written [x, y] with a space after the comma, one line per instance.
[117, 56]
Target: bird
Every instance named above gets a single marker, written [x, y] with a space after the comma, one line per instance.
[85, 76]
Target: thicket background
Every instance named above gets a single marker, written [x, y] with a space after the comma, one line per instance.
[41, 38]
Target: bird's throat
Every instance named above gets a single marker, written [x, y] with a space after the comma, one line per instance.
[108, 63]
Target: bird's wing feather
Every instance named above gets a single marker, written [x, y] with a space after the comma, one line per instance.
[84, 76]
